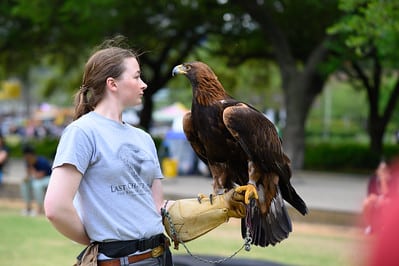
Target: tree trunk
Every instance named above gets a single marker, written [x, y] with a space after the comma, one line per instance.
[300, 93]
[301, 87]
[146, 112]
[376, 132]
[377, 120]
[377, 124]
[301, 82]
[294, 131]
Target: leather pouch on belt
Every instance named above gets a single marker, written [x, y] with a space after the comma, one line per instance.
[89, 257]
[157, 251]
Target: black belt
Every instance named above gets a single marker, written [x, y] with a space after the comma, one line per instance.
[117, 249]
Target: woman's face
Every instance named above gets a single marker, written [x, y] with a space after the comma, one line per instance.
[383, 170]
[130, 85]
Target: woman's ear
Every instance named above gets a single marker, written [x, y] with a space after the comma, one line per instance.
[111, 84]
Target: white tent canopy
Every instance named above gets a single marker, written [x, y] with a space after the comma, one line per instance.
[169, 113]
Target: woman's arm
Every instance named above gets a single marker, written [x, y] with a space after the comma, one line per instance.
[58, 203]
[157, 194]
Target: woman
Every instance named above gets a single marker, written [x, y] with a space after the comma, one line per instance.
[110, 171]
[110, 166]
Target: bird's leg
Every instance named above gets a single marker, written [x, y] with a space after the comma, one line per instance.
[219, 178]
[250, 189]
[219, 175]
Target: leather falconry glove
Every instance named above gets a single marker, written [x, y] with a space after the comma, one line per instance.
[192, 218]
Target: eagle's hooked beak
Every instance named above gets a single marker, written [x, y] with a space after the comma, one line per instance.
[180, 69]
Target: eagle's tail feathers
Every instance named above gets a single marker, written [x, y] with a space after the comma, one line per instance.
[297, 202]
[289, 194]
[268, 229]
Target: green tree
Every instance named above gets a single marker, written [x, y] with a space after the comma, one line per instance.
[370, 33]
[293, 33]
[63, 32]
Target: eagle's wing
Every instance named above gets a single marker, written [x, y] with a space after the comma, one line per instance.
[259, 139]
[222, 175]
[192, 138]
[257, 136]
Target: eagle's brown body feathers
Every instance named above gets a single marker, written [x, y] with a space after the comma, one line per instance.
[240, 146]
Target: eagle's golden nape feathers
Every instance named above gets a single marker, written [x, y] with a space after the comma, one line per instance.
[227, 134]
[209, 90]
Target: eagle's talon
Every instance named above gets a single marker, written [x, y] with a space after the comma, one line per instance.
[200, 197]
[250, 192]
[211, 198]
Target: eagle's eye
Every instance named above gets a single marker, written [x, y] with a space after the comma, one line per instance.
[188, 67]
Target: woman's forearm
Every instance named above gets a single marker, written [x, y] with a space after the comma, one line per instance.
[68, 223]
[58, 203]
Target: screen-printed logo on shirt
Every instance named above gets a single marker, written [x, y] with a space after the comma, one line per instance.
[130, 188]
[132, 158]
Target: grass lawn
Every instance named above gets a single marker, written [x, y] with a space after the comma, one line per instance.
[33, 241]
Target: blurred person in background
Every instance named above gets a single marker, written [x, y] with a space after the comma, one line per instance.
[378, 194]
[384, 249]
[3, 157]
[33, 187]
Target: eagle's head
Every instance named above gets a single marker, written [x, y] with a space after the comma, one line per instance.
[206, 87]
[195, 72]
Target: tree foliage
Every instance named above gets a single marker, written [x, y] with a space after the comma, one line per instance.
[293, 34]
[65, 31]
[168, 31]
[368, 24]
[370, 34]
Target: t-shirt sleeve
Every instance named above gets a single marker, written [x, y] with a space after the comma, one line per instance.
[75, 148]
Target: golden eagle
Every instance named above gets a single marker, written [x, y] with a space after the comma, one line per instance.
[243, 150]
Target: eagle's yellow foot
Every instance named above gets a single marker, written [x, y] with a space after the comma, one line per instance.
[250, 192]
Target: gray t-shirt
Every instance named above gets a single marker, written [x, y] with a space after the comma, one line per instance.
[119, 163]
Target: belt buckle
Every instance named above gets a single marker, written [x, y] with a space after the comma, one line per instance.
[157, 251]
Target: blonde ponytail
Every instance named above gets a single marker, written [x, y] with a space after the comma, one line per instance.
[82, 105]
